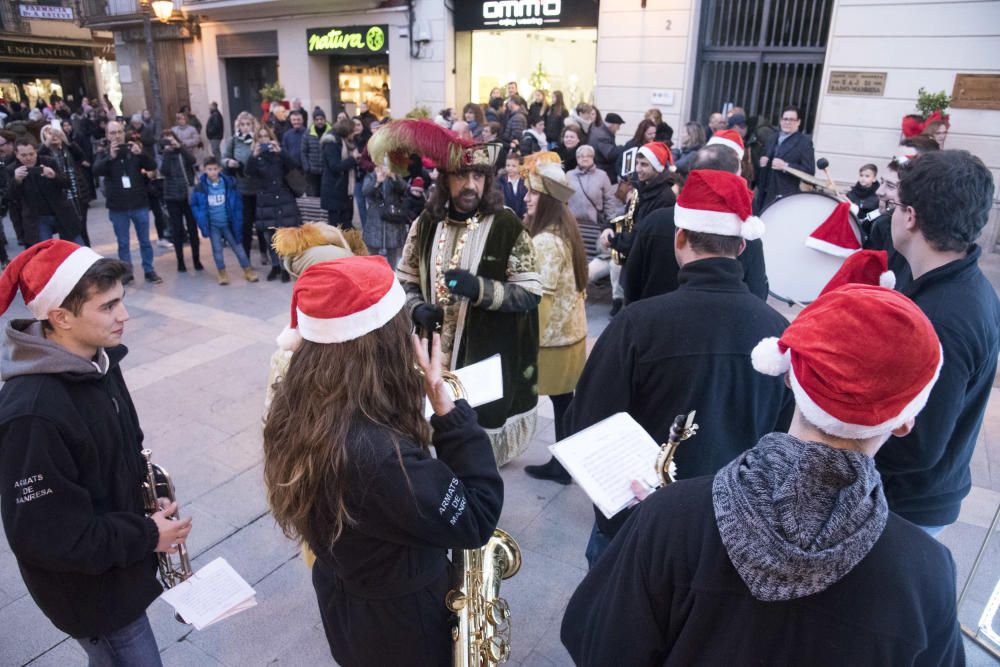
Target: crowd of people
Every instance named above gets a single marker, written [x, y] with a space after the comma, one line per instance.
[453, 240]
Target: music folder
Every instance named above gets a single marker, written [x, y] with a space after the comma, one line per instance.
[605, 458]
[211, 594]
[483, 383]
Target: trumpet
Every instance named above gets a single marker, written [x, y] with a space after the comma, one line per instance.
[682, 429]
[159, 485]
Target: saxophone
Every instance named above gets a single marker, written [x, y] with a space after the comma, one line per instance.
[482, 635]
[159, 485]
[682, 429]
[623, 224]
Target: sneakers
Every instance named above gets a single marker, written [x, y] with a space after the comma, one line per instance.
[273, 273]
[552, 471]
[250, 275]
[163, 243]
[152, 278]
[223, 277]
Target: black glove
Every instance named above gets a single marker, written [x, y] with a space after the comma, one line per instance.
[428, 318]
[462, 283]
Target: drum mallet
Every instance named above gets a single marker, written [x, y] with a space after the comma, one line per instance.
[824, 165]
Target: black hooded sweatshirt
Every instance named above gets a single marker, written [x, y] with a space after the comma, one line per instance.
[70, 476]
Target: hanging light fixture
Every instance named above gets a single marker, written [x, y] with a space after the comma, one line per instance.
[163, 9]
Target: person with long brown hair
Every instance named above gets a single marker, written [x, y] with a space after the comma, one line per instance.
[348, 471]
[562, 318]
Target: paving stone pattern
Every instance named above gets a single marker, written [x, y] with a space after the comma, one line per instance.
[197, 367]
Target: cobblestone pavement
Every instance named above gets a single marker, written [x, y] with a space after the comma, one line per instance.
[197, 369]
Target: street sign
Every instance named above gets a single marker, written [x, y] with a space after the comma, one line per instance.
[525, 14]
[351, 40]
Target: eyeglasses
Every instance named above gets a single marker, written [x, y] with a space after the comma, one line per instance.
[788, 120]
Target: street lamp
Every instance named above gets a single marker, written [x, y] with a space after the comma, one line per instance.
[156, 6]
[163, 9]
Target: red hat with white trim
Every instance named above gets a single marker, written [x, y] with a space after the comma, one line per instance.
[866, 267]
[835, 236]
[340, 300]
[45, 273]
[729, 139]
[717, 202]
[658, 154]
[853, 390]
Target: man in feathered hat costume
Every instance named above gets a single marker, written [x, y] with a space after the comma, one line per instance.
[469, 271]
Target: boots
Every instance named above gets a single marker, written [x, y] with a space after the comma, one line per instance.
[273, 273]
[223, 277]
[250, 275]
[552, 471]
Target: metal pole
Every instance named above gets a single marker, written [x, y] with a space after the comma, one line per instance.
[154, 74]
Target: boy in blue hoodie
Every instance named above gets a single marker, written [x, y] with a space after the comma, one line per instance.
[218, 208]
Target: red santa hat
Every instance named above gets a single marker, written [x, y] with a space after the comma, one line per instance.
[729, 139]
[835, 236]
[658, 154]
[844, 384]
[717, 202]
[340, 300]
[45, 273]
[867, 267]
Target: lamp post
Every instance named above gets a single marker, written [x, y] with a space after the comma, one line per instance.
[163, 10]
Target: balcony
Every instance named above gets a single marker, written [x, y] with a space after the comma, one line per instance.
[231, 9]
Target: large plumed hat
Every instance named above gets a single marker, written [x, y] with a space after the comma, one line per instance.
[849, 390]
[45, 273]
[397, 140]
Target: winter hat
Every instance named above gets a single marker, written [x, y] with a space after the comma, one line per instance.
[717, 202]
[45, 273]
[729, 139]
[340, 300]
[317, 111]
[835, 236]
[853, 390]
[658, 154]
[867, 267]
[417, 182]
[614, 118]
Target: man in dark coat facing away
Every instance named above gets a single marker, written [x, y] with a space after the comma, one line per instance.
[789, 555]
[690, 349]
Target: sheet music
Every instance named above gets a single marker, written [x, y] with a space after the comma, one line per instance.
[605, 458]
[483, 382]
[213, 593]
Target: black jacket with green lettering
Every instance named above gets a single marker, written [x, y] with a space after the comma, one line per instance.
[70, 476]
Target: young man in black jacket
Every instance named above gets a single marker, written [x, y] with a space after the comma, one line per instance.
[690, 349]
[71, 466]
[942, 205]
[789, 555]
[121, 164]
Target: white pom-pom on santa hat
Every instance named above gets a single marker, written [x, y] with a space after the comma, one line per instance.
[887, 279]
[752, 229]
[289, 340]
[767, 357]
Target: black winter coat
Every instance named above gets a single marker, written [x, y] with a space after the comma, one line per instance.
[666, 593]
[797, 151]
[40, 196]
[177, 168]
[333, 190]
[670, 354]
[381, 588]
[118, 197]
[276, 206]
[215, 127]
[926, 473]
[652, 266]
[554, 123]
[654, 195]
[880, 238]
[70, 475]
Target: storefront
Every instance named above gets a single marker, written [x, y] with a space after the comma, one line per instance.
[548, 45]
[358, 63]
[32, 71]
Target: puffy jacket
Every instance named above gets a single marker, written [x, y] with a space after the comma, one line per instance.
[177, 168]
[333, 191]
[234, 205]
[312, 155]
[276, 205]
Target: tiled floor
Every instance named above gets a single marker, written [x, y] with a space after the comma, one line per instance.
[197, 369]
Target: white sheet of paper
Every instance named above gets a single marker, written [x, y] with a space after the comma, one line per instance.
[213, 593]
[483, 382]
[605, 458]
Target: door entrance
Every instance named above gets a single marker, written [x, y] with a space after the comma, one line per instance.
[761, 55]
[245, 77]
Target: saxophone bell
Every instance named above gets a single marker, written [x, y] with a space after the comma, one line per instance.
[682, 429]
[623, 224]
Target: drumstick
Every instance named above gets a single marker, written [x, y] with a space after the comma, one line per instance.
[824, 165]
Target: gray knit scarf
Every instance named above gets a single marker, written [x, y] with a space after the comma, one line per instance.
[796, 517]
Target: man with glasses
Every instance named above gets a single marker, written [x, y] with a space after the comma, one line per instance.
[939, 208]
[788, 148]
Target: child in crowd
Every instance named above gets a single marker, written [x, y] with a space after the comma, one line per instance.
[863, 194]
[218, 208]
[514, 189]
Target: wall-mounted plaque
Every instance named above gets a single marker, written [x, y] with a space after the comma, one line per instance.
[856, 83]
[976, 91]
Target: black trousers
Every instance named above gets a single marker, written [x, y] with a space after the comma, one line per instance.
[250, 227]
[180, 211]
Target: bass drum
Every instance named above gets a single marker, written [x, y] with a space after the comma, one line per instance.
[796, 272]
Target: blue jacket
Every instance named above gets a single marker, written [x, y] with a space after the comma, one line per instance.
[512, 199]
[234, 205]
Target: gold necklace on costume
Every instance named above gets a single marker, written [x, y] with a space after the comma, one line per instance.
[444, 295]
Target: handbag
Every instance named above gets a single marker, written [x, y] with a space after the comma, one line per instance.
[395, 214]
[296, 182]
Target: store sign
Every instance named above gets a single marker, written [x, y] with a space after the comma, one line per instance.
[857, 83]
[504, 14]
[34, 51]
[349, 40]
[47, 12]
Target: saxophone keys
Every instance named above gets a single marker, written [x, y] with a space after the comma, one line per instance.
[498, 612]
[455, 600]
